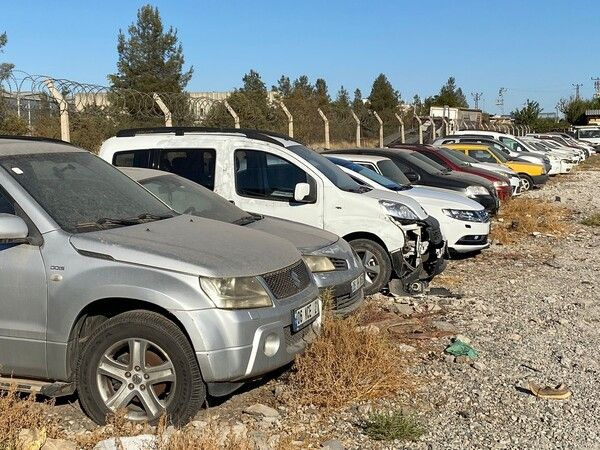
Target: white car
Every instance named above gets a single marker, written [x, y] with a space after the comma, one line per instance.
[567, 159]
[273, 175]
[464, 222]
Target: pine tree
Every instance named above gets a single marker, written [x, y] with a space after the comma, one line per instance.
[5, 68]
[383, 96]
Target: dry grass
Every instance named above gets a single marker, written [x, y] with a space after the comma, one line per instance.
[523, 216]
[366, 143]
[391, 426]
[346, 364]
[592, 163]
[209, 438]
[18, 412]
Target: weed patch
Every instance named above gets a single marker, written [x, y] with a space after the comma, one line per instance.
[592, 221]
[390, 426]
[523, 216]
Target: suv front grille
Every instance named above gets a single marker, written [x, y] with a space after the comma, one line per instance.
[289, 281]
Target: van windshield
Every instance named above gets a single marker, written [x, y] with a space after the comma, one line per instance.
[588, 134]
[333, 173]
[82, 193]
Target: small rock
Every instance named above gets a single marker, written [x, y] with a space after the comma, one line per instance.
[258, 409]
[365, 409]
[536, 234]
[514, 337]
[402, 309]
[333, 444]
[460, 337]
[448, 358]
[557, 198]
[563, 321]
[443, 326]
[478, 365]
[199, 424]
[141, 442]
[59, 444]
[369, 329]
[405, 348]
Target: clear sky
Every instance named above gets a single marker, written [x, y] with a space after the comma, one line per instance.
[534, 48]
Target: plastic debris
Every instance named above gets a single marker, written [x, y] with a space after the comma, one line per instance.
[460, 348]
[560, 392]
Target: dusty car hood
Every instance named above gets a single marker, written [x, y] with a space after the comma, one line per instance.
[305, 238]
[443, 198]
[192, 245]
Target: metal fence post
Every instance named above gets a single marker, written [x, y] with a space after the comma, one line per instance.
[326, 123]
[357, 120]
[164, 109]
[380, 128]
[65, 133]
[290, 119]
[401, 127]
[236, 118]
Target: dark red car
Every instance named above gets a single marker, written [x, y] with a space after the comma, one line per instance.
[446, 159]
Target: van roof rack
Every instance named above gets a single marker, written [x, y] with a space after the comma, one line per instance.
[34, 138]
[266, 136]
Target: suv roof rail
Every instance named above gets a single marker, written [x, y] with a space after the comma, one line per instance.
[266, 136]
[35, 138]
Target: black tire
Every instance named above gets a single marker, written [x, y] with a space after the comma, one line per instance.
[373, 255]
[528, 180]
[182, 397]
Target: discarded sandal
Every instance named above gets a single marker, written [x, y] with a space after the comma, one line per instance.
[560, 392]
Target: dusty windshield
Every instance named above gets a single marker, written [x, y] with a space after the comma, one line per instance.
[83, 193]
[589, 134]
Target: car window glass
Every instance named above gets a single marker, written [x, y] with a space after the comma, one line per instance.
[437, 159]
[391, 171]
[6, 206]
[133, 158]
[187, 197]
[482, 156]
[264, 175]
[197, 165]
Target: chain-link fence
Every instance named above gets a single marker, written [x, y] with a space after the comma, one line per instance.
[87, 114]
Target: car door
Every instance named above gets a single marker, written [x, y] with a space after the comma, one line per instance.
[264, 183]
[23, 302]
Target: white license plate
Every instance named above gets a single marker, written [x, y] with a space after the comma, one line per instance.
[306, 314]
[357, 284]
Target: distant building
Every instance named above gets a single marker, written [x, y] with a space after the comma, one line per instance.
[459, 114]
[593, 116]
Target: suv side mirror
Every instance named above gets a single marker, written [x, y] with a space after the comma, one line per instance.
[13, 229]
[412, 176]
[301, 192]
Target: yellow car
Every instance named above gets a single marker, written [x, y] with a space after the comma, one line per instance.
[532, 174]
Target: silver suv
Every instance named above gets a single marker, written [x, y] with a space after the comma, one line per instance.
[108, 292]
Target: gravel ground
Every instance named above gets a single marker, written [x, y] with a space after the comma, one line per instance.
[531, 312]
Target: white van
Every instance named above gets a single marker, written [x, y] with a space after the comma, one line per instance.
[272, 175]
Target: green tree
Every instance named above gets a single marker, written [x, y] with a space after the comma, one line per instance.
[150, 60]
[342, 99]
[574, 109]
[383, 96]
[529, 114]
[449, 95]
[5, 68]
[283, 87]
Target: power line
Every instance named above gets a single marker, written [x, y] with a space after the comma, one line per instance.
[596, 81]
[577, 86]
[477, 96]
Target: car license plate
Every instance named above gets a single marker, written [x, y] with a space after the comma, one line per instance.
[305, 314]
[357, 284]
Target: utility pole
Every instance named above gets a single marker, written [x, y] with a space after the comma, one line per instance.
[596, 87]
[576, 86]
[500, 99]
[476, 97]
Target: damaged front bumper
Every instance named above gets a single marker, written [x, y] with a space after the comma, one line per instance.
[422, 257]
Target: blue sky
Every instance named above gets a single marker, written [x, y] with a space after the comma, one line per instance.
[534, 48]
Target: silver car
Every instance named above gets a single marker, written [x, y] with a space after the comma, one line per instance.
[330, 258]
[108, 292]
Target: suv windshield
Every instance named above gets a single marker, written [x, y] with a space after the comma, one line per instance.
[83, 193]
[588, 134]
[187, 197]
[336, 175]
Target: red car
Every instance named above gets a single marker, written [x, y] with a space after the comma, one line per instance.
[501, 183]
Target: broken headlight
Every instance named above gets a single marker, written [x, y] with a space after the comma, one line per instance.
[318, 263]
[398, 210]
[236, 293]
[467, 215]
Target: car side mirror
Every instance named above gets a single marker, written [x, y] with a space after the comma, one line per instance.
[412, 176]
[301, 192]
[13, 229]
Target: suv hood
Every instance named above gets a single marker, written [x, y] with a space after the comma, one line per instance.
[192, 245]
[398, 197]
[442, 198]
[306, 239]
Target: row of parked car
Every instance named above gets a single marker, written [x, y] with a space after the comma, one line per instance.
[182, 262]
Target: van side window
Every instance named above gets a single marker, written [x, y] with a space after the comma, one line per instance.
[6, 206]
[197, 165]
[264, 175]
[133, 158]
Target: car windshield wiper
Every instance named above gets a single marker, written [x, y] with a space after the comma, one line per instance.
[149, 216]
[105, 222]
[247, 219]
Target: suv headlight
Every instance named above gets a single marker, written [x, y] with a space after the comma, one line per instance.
[472, 191]
[498, 184]
[467, 215]
[318, 263]
[398, 210]
[236, 293]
